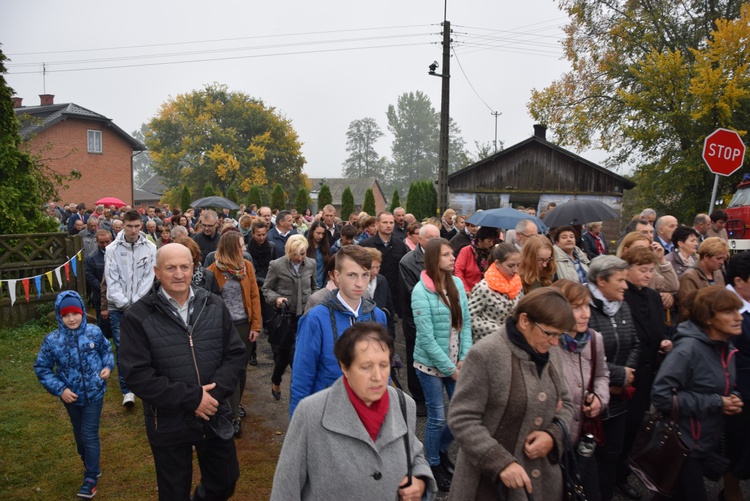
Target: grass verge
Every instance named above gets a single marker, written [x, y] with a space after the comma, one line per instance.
[39, 459]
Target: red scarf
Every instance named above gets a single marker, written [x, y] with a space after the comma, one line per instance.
[372, 417]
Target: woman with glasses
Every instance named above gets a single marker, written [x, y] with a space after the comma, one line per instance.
[610, 315]
[538, 266]
[495, 297]
[510, 390]
[473, 260]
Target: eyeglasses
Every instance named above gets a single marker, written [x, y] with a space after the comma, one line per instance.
[542, 260]
[550, 335]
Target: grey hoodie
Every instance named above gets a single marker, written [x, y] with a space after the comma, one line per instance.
[701, 371]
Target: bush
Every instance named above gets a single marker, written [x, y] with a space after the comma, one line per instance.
[278, 198]
[185, 198]
[324, 197]
[395, 201]
[369, 203]
[302, 200]
[347, 203]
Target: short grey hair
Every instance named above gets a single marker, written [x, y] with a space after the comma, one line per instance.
[605, 266]
[647, 212]
[523, 224]
[178, 231]
[701, 219]
[209, 215]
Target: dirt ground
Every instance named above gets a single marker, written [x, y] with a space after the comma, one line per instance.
[274, 414]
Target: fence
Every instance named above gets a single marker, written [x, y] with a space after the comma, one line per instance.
[34, 266]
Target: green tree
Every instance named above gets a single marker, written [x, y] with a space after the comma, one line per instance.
[363, 160]
[214, 135]
[649, 81]
[185, 198]
[414, 200]
[302, 201]
[395, 201]
[232, 194]
[347, 203]
[431, 201]
[254, 197]
[369, 204]
[208, 191]
[20, 196]
[324, 197]
[278, 198]
[142, 169]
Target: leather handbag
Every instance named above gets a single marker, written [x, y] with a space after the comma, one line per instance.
[572, 484]
[278, 327]
[659, 453]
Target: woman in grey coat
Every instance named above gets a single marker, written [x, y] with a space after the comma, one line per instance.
[350, 441]
[510, 390]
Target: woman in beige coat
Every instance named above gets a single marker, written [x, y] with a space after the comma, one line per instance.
[510, 390]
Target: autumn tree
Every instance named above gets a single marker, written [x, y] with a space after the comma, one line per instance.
[324, 197]
[214, 135]
[363, 160]
[347, 203]
[649, 81]
[185, 198]
[278, 198]
[20, 196]
[395, 201]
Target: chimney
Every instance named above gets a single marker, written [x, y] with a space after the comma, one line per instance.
[47, 99]
[540, 131]
[17, 102]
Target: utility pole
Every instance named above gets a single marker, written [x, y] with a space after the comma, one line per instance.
[495, 114]
[444, 120]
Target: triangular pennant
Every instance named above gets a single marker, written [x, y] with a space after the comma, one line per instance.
[12, 291]
[74, 265]
[25, 282]
[57, 274]
[38, 283]
[49, 277]
[67, 271]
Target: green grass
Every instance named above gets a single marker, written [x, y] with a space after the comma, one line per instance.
[39, 459]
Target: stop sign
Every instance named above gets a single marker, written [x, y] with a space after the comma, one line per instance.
[723, 151]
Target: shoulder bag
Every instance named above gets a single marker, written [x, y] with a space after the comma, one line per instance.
[593, 425]
[572, 484]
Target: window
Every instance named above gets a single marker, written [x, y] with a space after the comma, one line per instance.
[95, 141]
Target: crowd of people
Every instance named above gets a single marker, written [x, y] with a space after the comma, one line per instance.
[515, 339]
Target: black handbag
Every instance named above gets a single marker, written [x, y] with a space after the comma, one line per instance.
[572, 484]
[278, 327]
[659, 453]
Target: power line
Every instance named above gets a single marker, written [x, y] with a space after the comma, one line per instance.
[470, 84]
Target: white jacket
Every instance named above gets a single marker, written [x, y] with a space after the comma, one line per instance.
[129, 269]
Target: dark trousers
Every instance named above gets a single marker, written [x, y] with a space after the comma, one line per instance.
[217, 459]
[690, 484]
[412, 380]
[243, 329]
[283, 356]
[608, 454]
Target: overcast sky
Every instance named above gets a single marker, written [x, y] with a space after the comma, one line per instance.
[322, 64]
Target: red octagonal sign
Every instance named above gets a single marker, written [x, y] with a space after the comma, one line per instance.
[723, 151]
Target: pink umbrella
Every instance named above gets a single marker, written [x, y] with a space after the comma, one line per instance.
[110, 201]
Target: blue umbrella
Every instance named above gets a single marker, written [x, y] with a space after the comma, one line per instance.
[505, 218]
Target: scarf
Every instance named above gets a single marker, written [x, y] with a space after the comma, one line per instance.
[575, 344]
[610, 307]
[198, 276]
[516, 337]
[237, 274]
[481, 256]
[372, 417]
[261, 253]
[498, 283]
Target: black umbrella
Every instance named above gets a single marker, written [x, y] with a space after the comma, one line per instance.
[578, 212]
[221, 202]
[505, 217]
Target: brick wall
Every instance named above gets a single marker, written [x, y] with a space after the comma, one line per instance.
[106, 174]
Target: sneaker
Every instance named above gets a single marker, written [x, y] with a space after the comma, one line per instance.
[88, 489]
[128, 400]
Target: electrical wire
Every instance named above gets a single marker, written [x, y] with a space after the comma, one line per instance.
[469, 82]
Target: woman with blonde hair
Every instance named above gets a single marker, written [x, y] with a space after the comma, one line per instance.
[538, 265]
[236, 278]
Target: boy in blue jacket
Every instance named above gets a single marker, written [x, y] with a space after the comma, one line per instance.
[84, 362]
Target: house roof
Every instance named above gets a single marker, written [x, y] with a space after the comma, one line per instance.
[48, 115]
[627, 184]
[337, 186]
[154, 185]
[144, 196]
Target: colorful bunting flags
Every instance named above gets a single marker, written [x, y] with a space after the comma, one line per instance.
[25, 281]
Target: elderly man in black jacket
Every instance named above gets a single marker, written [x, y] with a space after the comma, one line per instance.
[181, 354]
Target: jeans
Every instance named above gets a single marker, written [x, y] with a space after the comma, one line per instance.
[437, 435]
[114, 322]
[85, 421]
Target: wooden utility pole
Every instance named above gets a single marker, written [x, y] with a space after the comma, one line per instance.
[444, 120]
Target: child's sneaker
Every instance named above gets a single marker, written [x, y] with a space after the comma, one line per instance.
[88, 489]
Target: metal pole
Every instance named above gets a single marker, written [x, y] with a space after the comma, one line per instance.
[444, 121]
[713, 193]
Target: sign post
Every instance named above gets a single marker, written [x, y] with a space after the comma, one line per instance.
[724, 153]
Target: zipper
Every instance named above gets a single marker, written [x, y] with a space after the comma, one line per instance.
[80, 363]
[617, 338]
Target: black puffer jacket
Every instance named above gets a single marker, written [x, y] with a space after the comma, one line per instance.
[621, 347]
[701, 371]
[166, 363]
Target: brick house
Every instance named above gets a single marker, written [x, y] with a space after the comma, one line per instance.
[68, 136]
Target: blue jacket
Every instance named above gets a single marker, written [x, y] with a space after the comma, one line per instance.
[80, 355]
[433, 321]
[315, 366]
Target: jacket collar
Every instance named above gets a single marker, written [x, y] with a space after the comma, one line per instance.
[428, 283]
[339, 416]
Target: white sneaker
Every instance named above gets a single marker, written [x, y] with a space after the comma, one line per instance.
[128, 400]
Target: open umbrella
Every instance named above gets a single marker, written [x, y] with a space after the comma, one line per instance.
[222, 202]
[505, 218]
[110, 201]
[580, 211]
